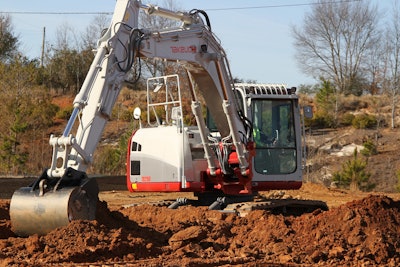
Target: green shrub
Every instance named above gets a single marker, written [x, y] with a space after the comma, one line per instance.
[354, 174]
[364, 121]
[64, 113]
[347, 119]
[126, 115]
[369, 148]
[109, 160]
[322, 120]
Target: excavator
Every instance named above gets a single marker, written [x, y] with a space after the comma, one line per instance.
[247, 137]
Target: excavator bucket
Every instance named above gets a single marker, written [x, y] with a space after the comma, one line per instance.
[50, 203]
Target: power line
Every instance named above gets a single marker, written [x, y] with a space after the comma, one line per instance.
[55, 13]
[282, 5]
[209, 9]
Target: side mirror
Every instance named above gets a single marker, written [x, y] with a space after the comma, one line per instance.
[308, 112]
[136, 113]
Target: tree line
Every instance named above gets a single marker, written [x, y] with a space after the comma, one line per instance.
[27, 87]
[352, 45]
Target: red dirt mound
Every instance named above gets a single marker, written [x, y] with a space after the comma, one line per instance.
[359, 233]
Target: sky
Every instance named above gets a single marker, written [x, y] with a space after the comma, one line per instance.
[256, 34]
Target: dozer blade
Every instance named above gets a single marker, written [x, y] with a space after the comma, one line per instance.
[51, 203]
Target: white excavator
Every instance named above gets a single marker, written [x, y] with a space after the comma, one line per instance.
[247, 137]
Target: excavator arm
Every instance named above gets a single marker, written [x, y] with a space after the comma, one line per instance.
[64, 192]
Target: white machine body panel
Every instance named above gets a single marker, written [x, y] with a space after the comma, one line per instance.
[165, 154]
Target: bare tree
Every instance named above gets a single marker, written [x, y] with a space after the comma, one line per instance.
[66, 37]
[392, 60]
[68, 59]
[334, 40]
[375, 68]
[156, 66]
[94, 31]
[156, 22]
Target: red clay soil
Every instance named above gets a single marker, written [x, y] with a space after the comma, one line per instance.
[364, 232]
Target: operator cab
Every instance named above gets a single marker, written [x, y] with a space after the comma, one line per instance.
[273, 110]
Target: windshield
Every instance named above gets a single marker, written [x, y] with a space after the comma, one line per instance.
[274, 136]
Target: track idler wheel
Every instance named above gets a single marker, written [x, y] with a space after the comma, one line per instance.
[50, 203]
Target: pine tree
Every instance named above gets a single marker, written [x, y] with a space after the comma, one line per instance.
[354, 174]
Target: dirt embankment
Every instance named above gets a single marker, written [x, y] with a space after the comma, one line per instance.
[362, 232]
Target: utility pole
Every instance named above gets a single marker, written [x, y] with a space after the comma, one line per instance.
[43, 42]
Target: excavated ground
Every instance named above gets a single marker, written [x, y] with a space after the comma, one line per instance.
[359, 230]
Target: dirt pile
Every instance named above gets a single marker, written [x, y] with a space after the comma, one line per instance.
[360, 233]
